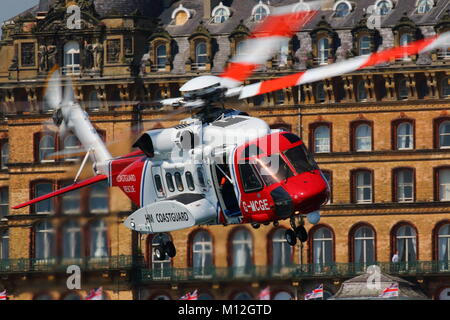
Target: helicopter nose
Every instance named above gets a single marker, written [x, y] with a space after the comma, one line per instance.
[310, 191]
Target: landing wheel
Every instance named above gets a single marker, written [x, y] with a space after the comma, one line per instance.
[290, 237]
[160, 253]
[170, 249]
[301, 233]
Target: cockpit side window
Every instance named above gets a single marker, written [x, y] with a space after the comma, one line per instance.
[301, 159]
[250, 180]
[291, 137]
[273, 169]
[251, 151]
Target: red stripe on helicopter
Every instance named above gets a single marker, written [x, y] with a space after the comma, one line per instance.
[75, 186]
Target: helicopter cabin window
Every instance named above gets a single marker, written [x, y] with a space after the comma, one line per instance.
[201, 177]
[169, 181]
[179, 181]
[273, 169]
[252, 150]
[301, 159]
[159, 186]
[250, 180]
[190, 181]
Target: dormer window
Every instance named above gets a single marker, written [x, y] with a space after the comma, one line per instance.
[260, 11]
[383, 7]
[323, 50]
[424, 6]
[180, 15]
[221, 13]
[342, 9]
[405, 39]
[365, 45]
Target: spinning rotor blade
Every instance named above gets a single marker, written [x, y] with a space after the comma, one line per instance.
[266, 40]
[340, 68]
[53, 94]
[69, 95]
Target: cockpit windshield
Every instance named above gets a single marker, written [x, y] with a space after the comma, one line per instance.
[273, 169]
[301, 159]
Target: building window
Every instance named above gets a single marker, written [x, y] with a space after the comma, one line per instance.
[4, 202]
[72, 296]
[44, 296]
[282, 295]
[362, 192]
[404, 185]
[180, 15]
[71, 58]
[405, 39]
[322, 249]
[406, 244]
[403, 91]
[161, 57]
[404, 136]
[5, 155]
[443, 184]
[443, 248]
[44, 241]
[99, 198]
[46, 147]
[365, 45]
[323, 50]
[281, 251]
[71, 240]
[46, 206]
[4, 244]
[94, 102]
[242, 252]
[341, 9]
[113, 51]
[220, 13]
[99, 239]
[202, 253]
[320, 93]
[424, 6]
[444, 135]
[322, 139]
[361, 91]
[260, 11]
[201, 55]
[160, 268]
[28, 56]
[383, 7]
[71, 201]
[363, 247]
[71, 147]
[445, 88]
[363, 137]
[242, 296]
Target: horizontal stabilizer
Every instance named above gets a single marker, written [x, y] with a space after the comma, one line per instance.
[64, 190]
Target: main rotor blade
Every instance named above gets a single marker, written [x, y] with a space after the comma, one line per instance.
[266, 40]
[343, 67]
[69, 95]
[53, 94]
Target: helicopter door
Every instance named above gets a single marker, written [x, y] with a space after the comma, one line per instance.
[157, 180]
[225, 190]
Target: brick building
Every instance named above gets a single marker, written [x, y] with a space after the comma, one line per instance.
[381, 135]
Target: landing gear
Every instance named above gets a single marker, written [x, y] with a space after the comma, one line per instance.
[291, 237]
[301, 233]
[165, 247]
[297, 232]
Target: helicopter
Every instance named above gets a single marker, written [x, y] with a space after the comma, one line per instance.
[220, 166]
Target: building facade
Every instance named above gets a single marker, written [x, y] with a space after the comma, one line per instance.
[381, 135]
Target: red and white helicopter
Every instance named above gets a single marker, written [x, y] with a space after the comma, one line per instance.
[219, 166]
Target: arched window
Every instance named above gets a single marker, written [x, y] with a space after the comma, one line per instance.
[405, 137]
[322, 139]
[44, 241]
[99, 239]
[443, 249]
[403, 91]
[46, 147]
[445, 88]
[71, 58]
[161, 57]
[202, 253]
[242, 252]
[4, 202]
[71, 240]
[205, 296]
[94, 102]
[383, 7]
[71, 201]
[444, 135]
[4, 244]
[363, 192]
[281, 251]
[160, 268]
[201, 54]
[260, 12]
[71, 146]
[161, 297]
[342, 9]
[99, 198]
[363, 137]
[363, 247]
[365, 45]
[361, 91]
[406, 244]
[443, 179]
[404, 185]
[5, 155]
[180, 15]
[46, 206]
[220, 13]
[323, 50]
[242, 296]
[322, 249]
[424, 6]
[282, 295]
[405, 39]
